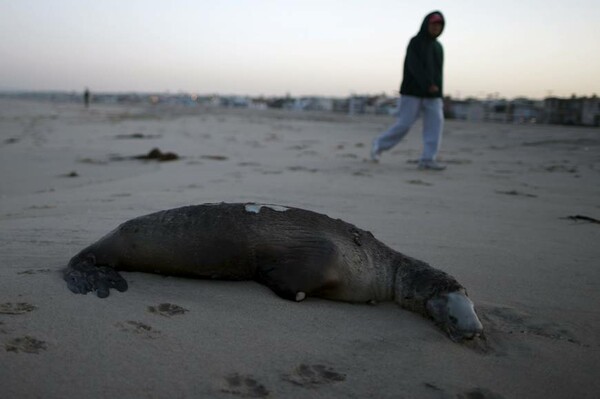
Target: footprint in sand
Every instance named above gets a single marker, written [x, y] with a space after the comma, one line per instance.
[272, 137]
[308, 153]
[71, 174]
[248, 164]
[479, 393]
[473, 393]
[347, 155]
[92, 161]
[35, 271]
[16, 308]
[298, 147]
[138, 328]
[516, 193]
[362, 172]
[137, 136]
[245, 386]
[215, 157]
[271, 172]
[560, 168]
[513, 321]
[457, 161]
[167, 309]
[302, 169]
[418, 182]
[25, 344]
[254, 144]
[310, 376]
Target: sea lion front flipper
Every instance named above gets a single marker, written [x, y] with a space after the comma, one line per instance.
[293, 273]
[83, 276]
[268, 276]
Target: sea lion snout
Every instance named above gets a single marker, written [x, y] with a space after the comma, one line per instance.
[455, 313]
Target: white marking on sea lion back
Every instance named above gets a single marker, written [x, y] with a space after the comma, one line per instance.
[255, 208]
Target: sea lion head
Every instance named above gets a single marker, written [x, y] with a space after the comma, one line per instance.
[455, 313]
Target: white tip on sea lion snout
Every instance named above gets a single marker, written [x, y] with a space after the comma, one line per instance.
[462, 312]
[255, 208]
[454, 312]
[300, 296]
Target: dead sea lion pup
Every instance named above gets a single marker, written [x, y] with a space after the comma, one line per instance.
[295, 252]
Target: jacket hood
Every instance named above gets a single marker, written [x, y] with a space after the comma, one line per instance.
[424, 32]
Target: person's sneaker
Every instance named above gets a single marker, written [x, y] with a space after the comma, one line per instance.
[430, 165]
[375, 151]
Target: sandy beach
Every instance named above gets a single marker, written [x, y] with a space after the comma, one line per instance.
[497, 219]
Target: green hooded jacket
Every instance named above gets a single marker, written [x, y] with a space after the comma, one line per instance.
[424, 63]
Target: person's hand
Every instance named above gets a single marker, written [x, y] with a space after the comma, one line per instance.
[433, 89]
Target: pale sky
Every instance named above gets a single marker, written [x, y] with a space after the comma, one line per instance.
[303, 47]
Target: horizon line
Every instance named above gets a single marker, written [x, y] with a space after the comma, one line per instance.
[490, 96]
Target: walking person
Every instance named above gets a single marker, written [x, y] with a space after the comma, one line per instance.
[86, 97]
[421, 92]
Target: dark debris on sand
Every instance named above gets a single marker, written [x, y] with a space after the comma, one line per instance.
[137, 136]
[582, 218]
[157, 155]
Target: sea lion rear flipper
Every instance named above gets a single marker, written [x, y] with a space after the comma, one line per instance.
[83, 276]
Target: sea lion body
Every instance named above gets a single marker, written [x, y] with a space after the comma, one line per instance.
[295, 252]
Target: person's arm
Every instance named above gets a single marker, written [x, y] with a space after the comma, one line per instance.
[416, 67]
[433, 88]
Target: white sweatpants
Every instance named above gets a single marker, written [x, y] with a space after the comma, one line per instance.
[433, 123]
